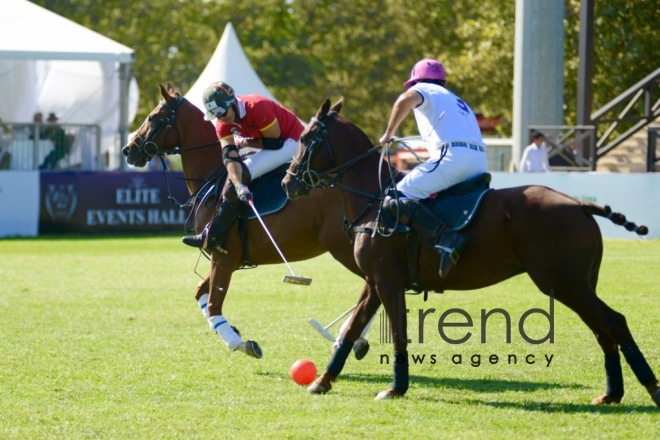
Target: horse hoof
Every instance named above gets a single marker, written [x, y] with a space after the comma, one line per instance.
[317, 387]
[388, 395]
[252, 349]
[321, 385]
[605, 400]
[360, 348]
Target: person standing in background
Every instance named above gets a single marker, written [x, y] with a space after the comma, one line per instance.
[535, 156]
[56, 134]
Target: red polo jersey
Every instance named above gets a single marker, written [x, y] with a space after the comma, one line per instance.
[260, 114]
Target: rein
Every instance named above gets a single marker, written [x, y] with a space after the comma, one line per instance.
[151, 149]
[331, 177]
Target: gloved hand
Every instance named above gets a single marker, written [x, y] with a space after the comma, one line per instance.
[244, 194]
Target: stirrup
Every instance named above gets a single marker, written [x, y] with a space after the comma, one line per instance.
[449, 255]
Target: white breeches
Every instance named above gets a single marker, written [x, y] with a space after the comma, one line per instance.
[264, 161]
[427, 178]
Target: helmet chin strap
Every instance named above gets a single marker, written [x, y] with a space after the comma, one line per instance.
[237, 111]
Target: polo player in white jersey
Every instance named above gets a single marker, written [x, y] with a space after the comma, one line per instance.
[456, 148]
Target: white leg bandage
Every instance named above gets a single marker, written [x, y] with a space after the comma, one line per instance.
[220, 325]
[203, 304]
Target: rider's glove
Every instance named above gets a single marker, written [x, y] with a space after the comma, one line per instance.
[244, 193]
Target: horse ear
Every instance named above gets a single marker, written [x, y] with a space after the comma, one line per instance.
[168, 92]
[164, 90]
[323, 111]
[337, 107]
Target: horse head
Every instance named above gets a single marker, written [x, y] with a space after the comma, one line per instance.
[311, 159]
[158, 133]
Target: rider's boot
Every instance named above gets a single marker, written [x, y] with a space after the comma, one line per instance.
[448, 243]
[213, 237]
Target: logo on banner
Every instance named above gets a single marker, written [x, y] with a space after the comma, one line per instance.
[61, 201]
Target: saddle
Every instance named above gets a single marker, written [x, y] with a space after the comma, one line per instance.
[456, 205]
[267, 194]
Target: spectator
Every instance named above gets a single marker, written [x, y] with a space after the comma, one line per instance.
[38, 119]
[56, 134]
[535, 156]
[4, 153]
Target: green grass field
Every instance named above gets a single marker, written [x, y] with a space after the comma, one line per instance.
[101, 338]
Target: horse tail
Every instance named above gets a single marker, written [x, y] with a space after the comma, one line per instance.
[616, 217]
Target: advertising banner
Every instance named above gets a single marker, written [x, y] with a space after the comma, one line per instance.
[19, 203]
[110, 202]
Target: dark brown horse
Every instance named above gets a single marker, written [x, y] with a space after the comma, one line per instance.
[550, 236]
[303, 229]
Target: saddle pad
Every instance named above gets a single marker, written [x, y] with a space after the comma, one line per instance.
[457, 205]
[268, 194]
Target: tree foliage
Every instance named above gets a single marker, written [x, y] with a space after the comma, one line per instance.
[363, 50]
[626, 49]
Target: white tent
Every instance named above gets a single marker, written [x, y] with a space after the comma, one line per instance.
[51, 64]
[229, 64]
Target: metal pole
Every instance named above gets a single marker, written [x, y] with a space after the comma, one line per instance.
[585, 70]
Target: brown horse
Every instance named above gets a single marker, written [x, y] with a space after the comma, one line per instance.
[550, 236]
[303, 229]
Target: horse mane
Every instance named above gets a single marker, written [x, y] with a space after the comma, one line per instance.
[326, 111]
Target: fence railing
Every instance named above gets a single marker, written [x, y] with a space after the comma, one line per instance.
[580, 146]
[32, 146]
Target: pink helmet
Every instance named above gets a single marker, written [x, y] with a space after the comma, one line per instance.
[426, 69]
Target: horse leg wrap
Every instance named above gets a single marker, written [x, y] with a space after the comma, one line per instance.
[638, 364]
[339, 357]
[220, 325]
[613, 375]
[401, 380]
[203, 304]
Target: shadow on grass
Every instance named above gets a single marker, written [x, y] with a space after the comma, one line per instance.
[499, 386]
[570, 408]
[476, 385]
[495, 386]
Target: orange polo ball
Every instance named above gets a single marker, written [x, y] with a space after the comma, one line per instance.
[303, 372]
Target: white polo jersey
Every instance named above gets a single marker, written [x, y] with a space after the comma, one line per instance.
[444, 117]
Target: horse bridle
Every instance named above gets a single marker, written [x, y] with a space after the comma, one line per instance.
[308, 177]
[149, 147]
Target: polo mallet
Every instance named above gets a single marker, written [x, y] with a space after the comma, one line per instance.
[324, 330]
[293, 278]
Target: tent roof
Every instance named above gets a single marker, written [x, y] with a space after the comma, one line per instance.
[28, 31]
[229, 64]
